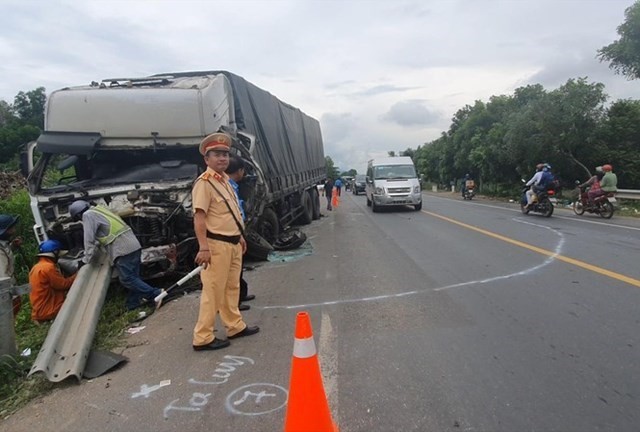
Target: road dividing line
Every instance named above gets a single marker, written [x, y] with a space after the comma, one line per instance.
[575, 262]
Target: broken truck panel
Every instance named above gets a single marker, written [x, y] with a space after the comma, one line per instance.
[132, 145]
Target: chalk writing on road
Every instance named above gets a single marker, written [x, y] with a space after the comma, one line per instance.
[224, 370]
[197, 401]
[146, 390]
[256, 399]
[249, 400]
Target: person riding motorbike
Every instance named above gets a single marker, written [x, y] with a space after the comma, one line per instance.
[608, 184]
[594, 181]
[467, 183]
[596, 177]
[532, 182]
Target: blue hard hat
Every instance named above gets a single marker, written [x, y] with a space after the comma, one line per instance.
[51, 248]
[6, 222]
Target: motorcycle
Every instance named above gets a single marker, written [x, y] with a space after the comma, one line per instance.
[602, 205]
[542, 203]
[469, 193]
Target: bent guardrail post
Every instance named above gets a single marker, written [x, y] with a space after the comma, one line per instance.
[7, 324]
[66, 349]
[7, 330]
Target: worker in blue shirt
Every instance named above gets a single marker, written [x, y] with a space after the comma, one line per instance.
[338, 185]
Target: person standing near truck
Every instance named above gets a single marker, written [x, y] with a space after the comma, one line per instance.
[102, 227]
[235, 171]
[218, 226]
[338, 185]
[328, 191]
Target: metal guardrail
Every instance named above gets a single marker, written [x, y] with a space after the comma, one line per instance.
[66, 349]
[629, 194]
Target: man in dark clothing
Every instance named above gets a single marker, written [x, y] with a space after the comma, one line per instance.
[235, 171]
[328, 190]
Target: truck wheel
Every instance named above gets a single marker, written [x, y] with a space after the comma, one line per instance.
[315, 202]
[307, 209]
[268, 226]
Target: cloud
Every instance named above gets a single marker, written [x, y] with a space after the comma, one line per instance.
[411, 113]
[381, 89]
[378, 75]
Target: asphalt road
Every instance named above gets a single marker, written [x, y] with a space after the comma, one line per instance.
[464, 316]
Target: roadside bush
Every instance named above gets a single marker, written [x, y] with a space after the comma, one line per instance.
[18, 205]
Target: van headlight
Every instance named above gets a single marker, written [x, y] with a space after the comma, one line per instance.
[379, 191]
[416, 189]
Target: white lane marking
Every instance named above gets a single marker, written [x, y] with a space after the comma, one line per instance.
[328, 358]
[549, 260]
[575, 218]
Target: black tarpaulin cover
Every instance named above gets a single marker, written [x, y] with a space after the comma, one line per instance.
[289, 142]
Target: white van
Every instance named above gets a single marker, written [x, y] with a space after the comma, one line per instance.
[392, 181]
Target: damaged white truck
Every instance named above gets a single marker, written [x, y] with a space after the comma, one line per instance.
[132, 145]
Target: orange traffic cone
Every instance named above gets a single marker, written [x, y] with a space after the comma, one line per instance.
[307, 408]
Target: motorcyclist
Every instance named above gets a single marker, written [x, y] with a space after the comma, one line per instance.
[596, 177]
[546, 179]
[532, 182]
[593, 183]
[467, 183]
[608, 184]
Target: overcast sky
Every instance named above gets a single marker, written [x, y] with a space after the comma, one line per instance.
[378, 75]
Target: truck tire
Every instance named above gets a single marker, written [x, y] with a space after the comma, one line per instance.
[315, 202]
[268, 226]
[307, 209]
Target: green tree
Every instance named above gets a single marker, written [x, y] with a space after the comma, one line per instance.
[623, 55]
[332, 170]
[6, 114]
[409, 152]
[391, 153]
[351, 173]
[20, 123]
[29, 106]
[619, 134]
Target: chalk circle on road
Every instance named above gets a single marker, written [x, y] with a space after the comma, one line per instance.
[256, 399]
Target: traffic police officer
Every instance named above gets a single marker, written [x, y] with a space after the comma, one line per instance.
[219, 230]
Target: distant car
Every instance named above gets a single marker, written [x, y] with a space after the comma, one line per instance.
[359, 184]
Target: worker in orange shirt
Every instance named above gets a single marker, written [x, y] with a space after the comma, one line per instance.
[48, 286]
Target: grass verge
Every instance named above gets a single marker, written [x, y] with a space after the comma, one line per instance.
[16, 390]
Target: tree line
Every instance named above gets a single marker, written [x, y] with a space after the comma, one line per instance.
[20, 123]
[573, 127]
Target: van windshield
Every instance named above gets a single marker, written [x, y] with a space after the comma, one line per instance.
[386, 172]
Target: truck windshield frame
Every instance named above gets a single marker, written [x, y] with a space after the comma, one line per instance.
[63, 172]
